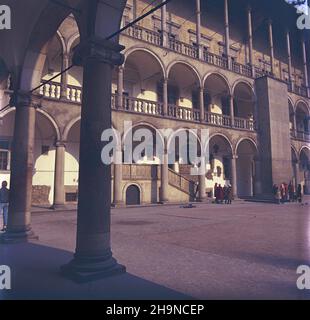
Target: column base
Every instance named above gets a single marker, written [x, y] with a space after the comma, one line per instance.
[118, 205]
[83, 270]
[58, 207]
[11, 237]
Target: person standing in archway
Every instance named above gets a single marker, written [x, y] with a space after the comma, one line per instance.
[4, 203]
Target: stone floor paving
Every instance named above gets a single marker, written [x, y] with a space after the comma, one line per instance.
[243, 251]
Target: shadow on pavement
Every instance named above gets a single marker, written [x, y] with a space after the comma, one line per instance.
[36, 275]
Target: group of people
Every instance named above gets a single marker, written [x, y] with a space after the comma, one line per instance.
[287, 192]
[223, 194]
[4, 203]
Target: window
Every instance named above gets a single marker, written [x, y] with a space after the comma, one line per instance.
[4, 160]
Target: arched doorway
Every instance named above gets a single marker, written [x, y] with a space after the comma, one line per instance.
[244, 101]
[304, 167]
[133, 195]
[246, 153]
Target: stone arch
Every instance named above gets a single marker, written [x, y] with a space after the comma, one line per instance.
[52, 121]
[302, 102]
[71, 41]
[225, 137]
[246, 151]
[131, 50]
[191, 67]
[220, 75]
[143, 75]
[244, 99]
[254, 144]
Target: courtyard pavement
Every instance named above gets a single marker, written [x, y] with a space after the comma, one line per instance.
[243, 251]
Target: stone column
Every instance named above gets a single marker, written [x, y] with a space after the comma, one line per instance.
[232, 110]
[258, 184]
[59, 176]
[305, 64]
[164, 25]
[64, 76]
[271, 45]
[227, 36]
[296, 171]
[118, 178]
[234, 175]
[198, 28]
[93, 256]
[250, 34]
[164, 173]
[22, 165]
[165, 97]
[295, 125]
[202, 104]
[120, 87]
[289, 57]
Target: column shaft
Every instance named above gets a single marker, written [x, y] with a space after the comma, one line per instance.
[93, 256]
[120, 87]
[64, 76]
[164, 25]
[22, 165]
[232, 111]
[250, 33]
[271, 46]
[59, 176]
[305, 65]
[234, 176]
[165, 97]
[289, 57]
[198, 28]
[118, 178]
[164, 172]
[258, 184]
[202, 104]
[227, 36]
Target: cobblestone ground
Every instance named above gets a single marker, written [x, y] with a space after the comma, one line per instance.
[243, 251]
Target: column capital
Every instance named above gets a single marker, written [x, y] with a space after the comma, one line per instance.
[60, 144]
[25, 99]
[100, 50]
[234, 157]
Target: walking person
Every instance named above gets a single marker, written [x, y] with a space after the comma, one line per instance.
[225, 192]
[230, 195]
[4, 203]
[221, 194]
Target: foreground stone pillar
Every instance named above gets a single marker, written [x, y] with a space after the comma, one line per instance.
[118, 178]
[234, 175]
[22, 164]
[305, 64]
[59, 176]
[202, 187]
[164, 173]
[93, 256]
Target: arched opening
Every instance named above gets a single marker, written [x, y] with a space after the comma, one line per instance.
[143, 82]
[71, 179]
[244, 101]
[183, 89]
[216, 95]
[133, 196]
[219, 170]
[302, 119]
[295, 167]
[44, 161]
[292, 117]
[304, 167]
[246, 153]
